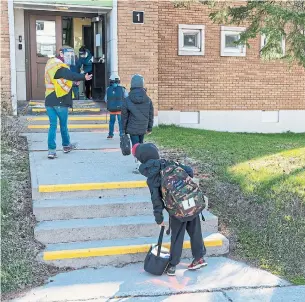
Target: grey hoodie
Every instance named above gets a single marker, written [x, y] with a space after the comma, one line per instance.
[137, 112]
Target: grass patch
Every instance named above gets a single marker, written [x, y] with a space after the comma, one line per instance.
[256, 185]
[19, 267]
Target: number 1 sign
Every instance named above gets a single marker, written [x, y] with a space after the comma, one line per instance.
[138, 17]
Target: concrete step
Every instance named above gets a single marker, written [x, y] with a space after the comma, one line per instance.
[41, 109]
[118, 252]
[95, 173]
[72, 230]
[74, 119]
[61, 209]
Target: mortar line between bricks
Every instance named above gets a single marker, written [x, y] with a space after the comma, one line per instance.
[216, 290]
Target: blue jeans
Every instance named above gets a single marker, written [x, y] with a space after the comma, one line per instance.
[112, 122]
[136, 139]
[62, 114]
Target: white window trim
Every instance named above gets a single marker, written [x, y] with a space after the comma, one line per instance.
[225, 52]
[182, 51]
[283, 44]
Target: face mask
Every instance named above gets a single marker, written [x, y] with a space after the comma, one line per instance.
[115, 85]
[68, 56]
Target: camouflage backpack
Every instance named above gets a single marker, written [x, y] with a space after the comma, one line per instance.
[181, 195]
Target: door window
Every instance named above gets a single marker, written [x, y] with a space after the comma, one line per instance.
[45, 38]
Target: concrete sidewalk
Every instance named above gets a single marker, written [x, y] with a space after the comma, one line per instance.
[94, 214]
[223, 280]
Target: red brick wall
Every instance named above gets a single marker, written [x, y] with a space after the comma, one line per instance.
[138, 44]
[207, 82]
[5, 59]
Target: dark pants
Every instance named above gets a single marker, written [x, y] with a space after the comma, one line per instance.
[178, 230]
[88, 88]
[136, 139]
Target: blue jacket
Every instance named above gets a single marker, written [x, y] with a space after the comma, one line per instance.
[86, 62]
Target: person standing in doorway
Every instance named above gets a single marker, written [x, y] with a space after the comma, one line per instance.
[137, 112]
[75, 87]
[58, 97]
[114, 97]
[86, 58]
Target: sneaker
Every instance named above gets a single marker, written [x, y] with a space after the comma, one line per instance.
[69, 148]
[109, 137]
[197, 264]
[52, 154]
[171, 270]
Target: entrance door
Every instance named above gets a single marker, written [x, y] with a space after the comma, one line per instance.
[99, 58]
[45, 40]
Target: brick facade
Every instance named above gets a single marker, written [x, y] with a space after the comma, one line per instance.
[5, 59]
[209, 82]
[138, 44]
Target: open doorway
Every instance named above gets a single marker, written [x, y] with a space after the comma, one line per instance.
[48, 31]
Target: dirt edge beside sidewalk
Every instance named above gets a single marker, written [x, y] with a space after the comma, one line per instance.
[20, 269]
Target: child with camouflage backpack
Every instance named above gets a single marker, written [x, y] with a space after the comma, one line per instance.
[172, 188]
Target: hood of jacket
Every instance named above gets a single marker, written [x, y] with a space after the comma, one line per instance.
[138, 96]
[151, 169]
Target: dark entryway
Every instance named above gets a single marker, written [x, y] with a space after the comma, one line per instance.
[87, 34]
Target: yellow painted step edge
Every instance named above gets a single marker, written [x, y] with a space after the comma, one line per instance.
[33, 103]
[71, 118]
[115, 250]
[92, 186]
[72, 126]
[75, 109]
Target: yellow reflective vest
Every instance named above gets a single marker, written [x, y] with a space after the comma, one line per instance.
[60, 86]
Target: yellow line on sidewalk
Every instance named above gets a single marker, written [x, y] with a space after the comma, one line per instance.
[92, 186]
[72, 118]
[75, 110]
[72, 126]
[116, 250]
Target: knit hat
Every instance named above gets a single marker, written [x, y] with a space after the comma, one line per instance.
[137, 81]
[145, 152]
[134, 148]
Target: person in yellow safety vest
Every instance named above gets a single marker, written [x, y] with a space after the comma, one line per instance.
[59, 94]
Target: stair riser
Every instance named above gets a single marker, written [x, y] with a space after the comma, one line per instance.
[91, 193]
[93, 211]
[109, 232]
[119, 260]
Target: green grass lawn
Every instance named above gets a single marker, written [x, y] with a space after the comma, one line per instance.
[256, 184]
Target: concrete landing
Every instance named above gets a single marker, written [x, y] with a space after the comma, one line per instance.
[222, 280]
[82, 169]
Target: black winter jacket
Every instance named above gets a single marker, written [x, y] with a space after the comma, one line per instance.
[137, 113]
[151, 169]
[65, 101]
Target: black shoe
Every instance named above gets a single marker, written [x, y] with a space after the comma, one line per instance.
[171, 270]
